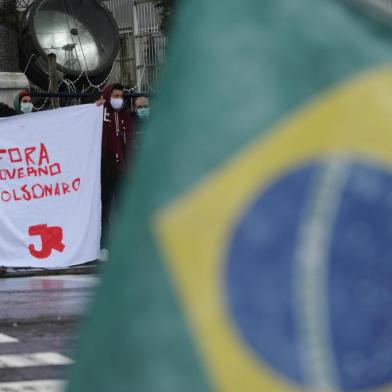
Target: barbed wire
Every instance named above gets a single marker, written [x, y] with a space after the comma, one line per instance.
[39, 108]
[23, 3]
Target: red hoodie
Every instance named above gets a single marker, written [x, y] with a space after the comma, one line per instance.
[117, 137]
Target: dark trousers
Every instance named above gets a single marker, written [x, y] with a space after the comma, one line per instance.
[109, 192]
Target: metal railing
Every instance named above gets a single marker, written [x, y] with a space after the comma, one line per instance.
[150, 44]
[122, 13]
[143, 44]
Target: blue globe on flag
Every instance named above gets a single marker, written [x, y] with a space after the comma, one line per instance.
[309, 275]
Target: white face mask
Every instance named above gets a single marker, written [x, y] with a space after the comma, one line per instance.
[26, 107]
[116, 103]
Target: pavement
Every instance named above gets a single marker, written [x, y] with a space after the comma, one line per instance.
[88, 268]
[39, 321]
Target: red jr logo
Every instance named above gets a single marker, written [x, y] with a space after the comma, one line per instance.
[51, 238]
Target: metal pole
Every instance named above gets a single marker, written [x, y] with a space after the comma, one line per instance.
[136, 32]
[40, 94]
[53, 82]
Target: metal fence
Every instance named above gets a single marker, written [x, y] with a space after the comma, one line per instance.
[142, 44]
[142, 51]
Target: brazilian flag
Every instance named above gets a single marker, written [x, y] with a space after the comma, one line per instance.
[254, 251]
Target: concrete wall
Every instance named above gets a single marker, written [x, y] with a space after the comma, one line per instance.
[11, 83]
[8, 50]
[11, 80]
[8, 45]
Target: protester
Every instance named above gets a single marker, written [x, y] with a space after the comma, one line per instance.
[23, 103]
[6, 111]
[141, 112]
[142, 108]
[117, 142]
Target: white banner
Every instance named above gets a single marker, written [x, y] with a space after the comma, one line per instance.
[50, 205]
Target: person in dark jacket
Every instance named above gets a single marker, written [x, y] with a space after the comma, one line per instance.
[6, 111]
[117, 142]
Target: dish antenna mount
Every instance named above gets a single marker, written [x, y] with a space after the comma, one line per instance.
[81, 33]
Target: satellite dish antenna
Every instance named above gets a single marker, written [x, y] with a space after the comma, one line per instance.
[81, 33]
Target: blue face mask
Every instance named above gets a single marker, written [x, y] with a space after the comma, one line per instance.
[143, 113]
[26, 107]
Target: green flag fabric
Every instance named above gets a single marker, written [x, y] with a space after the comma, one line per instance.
[254, 247]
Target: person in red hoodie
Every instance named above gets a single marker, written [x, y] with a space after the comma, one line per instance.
[117, 142]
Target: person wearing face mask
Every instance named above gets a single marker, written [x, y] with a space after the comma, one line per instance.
[141, 112]
[117, 143]
[142, 108]
[23, 103]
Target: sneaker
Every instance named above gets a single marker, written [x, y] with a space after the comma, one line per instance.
[104, 255]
